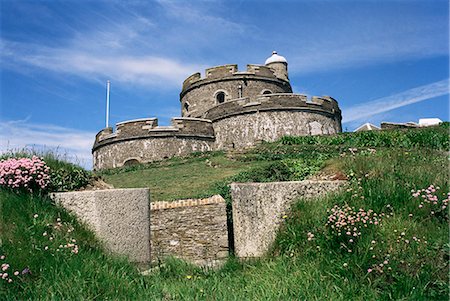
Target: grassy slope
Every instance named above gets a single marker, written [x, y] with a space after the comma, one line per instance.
[209, 173]
[300, 269]
[178, 178]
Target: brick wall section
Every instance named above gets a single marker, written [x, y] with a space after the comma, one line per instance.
[194, 230]
[258, 210]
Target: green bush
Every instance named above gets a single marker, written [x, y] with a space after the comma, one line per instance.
[69, 178]
[64, 176]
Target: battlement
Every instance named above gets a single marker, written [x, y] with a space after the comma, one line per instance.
[274, 102]
[148, 128]
[223, 109]
[229, 71]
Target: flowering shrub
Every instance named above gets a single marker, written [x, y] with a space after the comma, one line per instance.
[9, 275]
[24, 173]
[346, 224]
[429, 200]
[57, 236]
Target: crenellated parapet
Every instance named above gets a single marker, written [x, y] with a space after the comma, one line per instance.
[225, 109]
[223, 83]
[230, 71]
[148, 128]
[275, 102]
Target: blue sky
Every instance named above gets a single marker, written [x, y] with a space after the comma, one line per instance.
[382, 60]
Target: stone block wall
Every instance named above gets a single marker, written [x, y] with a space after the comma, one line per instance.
[147, 150]
[194, 230]
[128, 224]
[119, 217]
[258, 209]
[246, 130]
[142, 141]
[203, 96]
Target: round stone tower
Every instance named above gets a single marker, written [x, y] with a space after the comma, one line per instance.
[226, 83]
[279, 65]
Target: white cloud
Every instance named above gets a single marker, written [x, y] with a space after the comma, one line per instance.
[123, 45]
[158, 45]
[141, 70]
[385, 104]
[75, 145]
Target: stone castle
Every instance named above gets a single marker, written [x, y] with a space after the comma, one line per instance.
[227, 109]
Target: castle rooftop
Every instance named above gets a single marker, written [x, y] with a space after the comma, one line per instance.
[276, 58]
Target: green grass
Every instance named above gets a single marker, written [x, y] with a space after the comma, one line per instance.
[296, 269]
[433, 137]
[206, 174]
[178, 178]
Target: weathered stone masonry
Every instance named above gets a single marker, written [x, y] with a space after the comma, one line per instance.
[258, 210]
[142, 140]
[119, 217]
[194, 230]
[129, 224]
[226, 109]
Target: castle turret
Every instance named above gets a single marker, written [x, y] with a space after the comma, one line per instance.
[279, 65]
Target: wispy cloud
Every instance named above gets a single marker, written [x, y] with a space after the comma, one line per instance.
[385, 104]
[140, 70]
[126, 44]
[159, 43]
[322, 58]
[198, 15]
[75, 145]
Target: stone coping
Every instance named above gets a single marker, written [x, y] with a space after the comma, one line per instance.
[215, 199]
[136, 120]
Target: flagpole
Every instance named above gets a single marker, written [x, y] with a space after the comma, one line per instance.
[108, 87]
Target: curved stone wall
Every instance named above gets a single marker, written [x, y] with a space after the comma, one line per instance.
[142, 141]
[148, 149]
[199, 94]
[246, 130]
[243, 123]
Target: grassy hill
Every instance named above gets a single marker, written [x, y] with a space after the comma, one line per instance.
[403, 256]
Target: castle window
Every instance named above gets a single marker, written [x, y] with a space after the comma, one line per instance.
[220, 97]
[267, 92]
[186, 106]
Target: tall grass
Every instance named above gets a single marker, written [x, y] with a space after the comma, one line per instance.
[296, 269]
[418, 270]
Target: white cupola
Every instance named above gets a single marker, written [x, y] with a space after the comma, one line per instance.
[275, 58]
[278, 64]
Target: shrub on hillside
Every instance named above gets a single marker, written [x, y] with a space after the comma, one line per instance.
[346, 224]
[69, 178]
[23, 171]
[30, 174]
[432, 202]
